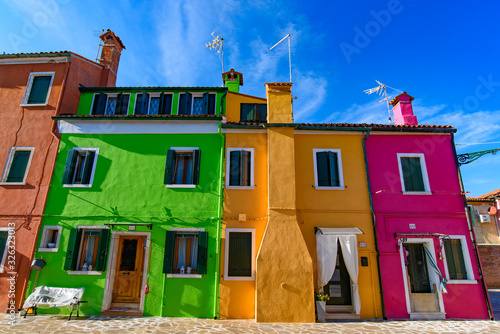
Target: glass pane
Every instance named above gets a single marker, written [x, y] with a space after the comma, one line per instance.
[336, 276]
[335, 291]
[18, 166]
[183, 168]
[110, 106]
[197, 106]
[128, 255]
[154, 105]
[39, 89]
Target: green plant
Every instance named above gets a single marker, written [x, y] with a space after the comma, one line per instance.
[322, 296]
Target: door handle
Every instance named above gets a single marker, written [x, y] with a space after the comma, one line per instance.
[126, 273]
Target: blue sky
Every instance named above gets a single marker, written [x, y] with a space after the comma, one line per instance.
[445, 54]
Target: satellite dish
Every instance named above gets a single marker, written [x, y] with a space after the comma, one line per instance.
[492, 210]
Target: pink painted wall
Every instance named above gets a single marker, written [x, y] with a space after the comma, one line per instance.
[441, 212]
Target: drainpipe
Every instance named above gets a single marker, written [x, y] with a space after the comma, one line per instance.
[471, 231]
[374, 224]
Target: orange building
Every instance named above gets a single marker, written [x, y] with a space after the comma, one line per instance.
[35, 87]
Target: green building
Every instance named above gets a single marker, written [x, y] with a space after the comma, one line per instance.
[134, 208]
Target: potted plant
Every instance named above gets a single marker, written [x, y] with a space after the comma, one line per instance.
[321, 299]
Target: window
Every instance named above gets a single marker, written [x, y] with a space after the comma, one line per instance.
[256, 112]
[110, 104]
[196, 104]
[38, 88]
[413, 173]
[455, 259]
[50, 239]
[185, 252]
[240, 167]
[182, 169]
[4, 246]
[80, 167]
[87, 249]
[328, 169]
[153, 104]
[18, 163]
[239, 263]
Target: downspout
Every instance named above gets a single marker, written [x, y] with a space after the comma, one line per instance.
[471, 231]
[374, 224]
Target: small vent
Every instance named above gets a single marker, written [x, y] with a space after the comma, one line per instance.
[484, 218]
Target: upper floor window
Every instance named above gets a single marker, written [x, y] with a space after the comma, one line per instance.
[413, 173]
[110, 104]
[197, 104]
[80, 167]
[240, 168]
[328, 169]
[17, 165]
[153, 104]
[182, 169]
[38, 89]
[256, 112]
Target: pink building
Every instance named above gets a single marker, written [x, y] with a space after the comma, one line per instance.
[429, 264]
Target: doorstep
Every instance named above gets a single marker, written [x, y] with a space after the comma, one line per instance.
[340, 312]
[427, 316]
[123, 309]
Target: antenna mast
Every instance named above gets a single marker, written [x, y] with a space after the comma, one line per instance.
[289, 53]
[218, 44]
[382, 89]
[96, 32]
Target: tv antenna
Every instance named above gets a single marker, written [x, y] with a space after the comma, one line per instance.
[382, 89]
[289, 53]
[218, 44]
[98, 34]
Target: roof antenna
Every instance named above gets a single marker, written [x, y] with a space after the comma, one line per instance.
[218, 44]
[382, 89]
[289, 53]
[98, 34]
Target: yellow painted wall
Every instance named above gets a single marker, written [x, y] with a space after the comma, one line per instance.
[338, 208]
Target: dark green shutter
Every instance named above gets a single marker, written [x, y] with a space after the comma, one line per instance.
[87, 167]
[4, 235]
[471, 212]
[185, 104]
[202, 253]
[100, 106]
[412, 174]
[75, 237]
[334, 170]
[196, 167]
[166, 104]
[39, 90]
[18, 166]
[240, 254]
[145, 103]
[455, 259]
[234, 168]
[102, 250]
[122, 104]
[118, 105]
[168, 259]
[169, 167]
[138, 104]
[68, 167]
[322, 169]
[160, 104]
[243, 112]
[211, 104]
[245, 168]
[262, 113]
[204, 110]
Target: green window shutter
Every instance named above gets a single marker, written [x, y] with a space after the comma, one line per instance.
[334, 169]
[240, 254]
[211, 104]
[245, 168]
[39, 89]
[322, 169]
[145, 103]
[234, 168]
[168, 259]
[100, 106]
[75, 237]
[471, 213]
[122, 104]
[138, 104]
[160, 104]
[205, 104]
[185, 104]
[118, 105]
[169, 167]
[87, 167]
[202, 253]
[102, 250]
[166, 104]
[412, 174]
[196, 167]
[68, 167]
[244, 112]
[18, 166]
[4, 236]
[455, 259]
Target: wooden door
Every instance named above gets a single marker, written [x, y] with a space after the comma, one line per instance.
[339, 287]
[417, 268]
[129, 269]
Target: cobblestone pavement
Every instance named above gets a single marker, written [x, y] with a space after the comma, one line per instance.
[123, 325]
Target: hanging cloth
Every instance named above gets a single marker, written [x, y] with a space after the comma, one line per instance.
[436, 269]
[326, 249]
[349, 246]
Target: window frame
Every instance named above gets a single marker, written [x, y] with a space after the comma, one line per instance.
[29, 86]
[425, 176]
[8, 165]
[106, 103]
[154, 94]
[92, 174]
[252, 167]
[183, 150]
[6, 249]
[43, 241]
[467, 261]
[255, 113]
[226, 255]
[188, 230]
[339, 167]
[193, 96]
[84, 228]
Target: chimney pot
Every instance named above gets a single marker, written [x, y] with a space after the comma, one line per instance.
[403, 110]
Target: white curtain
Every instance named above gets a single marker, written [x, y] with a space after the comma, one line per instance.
[181, 260]
[326, 249]
[89, 250]
[349, 246]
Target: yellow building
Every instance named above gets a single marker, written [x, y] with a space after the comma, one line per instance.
[290, 188]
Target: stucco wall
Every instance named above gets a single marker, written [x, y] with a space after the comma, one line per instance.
[486, 233]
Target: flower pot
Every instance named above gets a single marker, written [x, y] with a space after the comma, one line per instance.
[321, 310]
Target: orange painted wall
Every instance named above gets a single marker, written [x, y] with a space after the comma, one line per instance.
[233, 101]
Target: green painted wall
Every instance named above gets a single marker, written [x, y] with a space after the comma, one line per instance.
[128, 187]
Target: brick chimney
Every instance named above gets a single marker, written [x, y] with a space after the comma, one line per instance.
[403, 111]
[110, 57]
[233, 80]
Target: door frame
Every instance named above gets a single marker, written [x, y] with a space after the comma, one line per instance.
[433, 277]
[111, 271]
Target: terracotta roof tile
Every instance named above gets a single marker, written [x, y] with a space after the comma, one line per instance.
[279, 83]
[493, 193]
[478, 199]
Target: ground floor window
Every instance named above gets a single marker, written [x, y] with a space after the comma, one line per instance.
[239, 261]
[87, 249]
[185, 252]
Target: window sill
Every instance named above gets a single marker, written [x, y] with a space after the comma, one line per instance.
[462, 281]
[329, 188]
[12, 183]
[417, 193]
[79, 272]
[235, 278]
[241, 187]
[34, 105]
[46, 249]
[77, 186]
[181, 185]
[183, 276]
